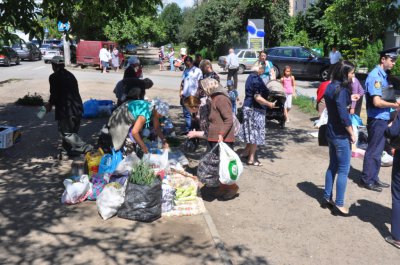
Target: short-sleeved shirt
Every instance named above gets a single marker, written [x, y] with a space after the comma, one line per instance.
[254, 85]
[191, 78]
[140, 108]
[376, 80]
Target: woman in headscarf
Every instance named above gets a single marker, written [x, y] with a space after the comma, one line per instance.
[220, 128]
[252, 131]
[130, 121]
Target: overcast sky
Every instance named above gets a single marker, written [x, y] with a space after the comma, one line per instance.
[181, 3]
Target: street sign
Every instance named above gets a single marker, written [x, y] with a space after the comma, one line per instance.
[63, 26]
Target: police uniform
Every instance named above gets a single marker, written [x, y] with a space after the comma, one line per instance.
[378, 119]
[394, 131]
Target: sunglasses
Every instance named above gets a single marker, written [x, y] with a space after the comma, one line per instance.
[254, 31]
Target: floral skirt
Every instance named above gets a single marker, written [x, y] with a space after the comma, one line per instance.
[252, 130]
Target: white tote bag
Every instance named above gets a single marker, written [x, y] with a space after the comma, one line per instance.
[230, 166]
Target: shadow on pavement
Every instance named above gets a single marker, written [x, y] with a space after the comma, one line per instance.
[373, 213]
[35, 228]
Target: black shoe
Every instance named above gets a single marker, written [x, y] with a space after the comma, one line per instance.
[381, 184]
[372, 187]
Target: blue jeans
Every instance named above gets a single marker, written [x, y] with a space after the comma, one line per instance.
[171, 61]
[188, 118]
[339, 163]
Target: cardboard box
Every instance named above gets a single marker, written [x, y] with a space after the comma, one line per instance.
[9, 136]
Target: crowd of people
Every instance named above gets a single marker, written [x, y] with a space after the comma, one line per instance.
[342, 97]
[209, 110]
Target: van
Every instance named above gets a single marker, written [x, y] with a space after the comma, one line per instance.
[87, 52]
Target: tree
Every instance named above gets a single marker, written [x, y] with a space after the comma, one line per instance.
[134, 29]
[217, 26]
[275, 14]
[21, 15]
[366, 20]
[87, 18]
[171, 17]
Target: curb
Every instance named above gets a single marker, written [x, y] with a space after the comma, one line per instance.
[219, 244]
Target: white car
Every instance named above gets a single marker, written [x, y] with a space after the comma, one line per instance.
[49, 54]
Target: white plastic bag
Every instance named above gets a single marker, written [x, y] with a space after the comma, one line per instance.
[322, 120]
[76, 192]
[127, 163]
[386, 160]
[156, 160]
[110, 200]
[230, 166]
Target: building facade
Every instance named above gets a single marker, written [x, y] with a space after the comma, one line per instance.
[296, 6]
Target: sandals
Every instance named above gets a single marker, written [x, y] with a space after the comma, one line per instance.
[393, 242]
[255, 163]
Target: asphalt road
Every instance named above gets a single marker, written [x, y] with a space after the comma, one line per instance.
[38, 70]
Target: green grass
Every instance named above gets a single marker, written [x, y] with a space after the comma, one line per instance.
[305, 104]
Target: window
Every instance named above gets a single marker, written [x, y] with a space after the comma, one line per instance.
[250, 54]
[285, 53]
[301, 53]
[272, 52]
[240, 54]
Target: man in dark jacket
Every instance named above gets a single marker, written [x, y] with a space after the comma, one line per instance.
[64, 95]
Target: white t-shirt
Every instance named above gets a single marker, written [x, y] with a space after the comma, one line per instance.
[232, 61]
[191, 78]
[335, 57]
[104, 55]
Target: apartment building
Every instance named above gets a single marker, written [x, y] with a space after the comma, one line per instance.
[297, 6]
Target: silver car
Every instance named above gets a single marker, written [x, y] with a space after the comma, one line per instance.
[247, 59]
[49, 54]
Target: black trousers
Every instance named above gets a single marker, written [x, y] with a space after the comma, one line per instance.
[233, 73]
[71, 142]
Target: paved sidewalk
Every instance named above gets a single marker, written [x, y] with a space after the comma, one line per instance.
[35, 228]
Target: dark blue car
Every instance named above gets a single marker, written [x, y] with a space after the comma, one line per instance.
[303, 61]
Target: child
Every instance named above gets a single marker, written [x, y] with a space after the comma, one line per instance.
[289, 87]
[233, 94]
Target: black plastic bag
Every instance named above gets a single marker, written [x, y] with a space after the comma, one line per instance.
[142, 202]
[362, 142]
[190, 145]
[208, 169]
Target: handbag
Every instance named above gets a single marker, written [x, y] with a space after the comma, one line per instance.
[322, 141]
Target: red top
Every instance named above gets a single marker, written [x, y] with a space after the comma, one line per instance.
[321, 90]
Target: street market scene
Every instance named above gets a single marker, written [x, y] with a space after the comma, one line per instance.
[200, 132]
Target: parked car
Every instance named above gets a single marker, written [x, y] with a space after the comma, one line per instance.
[27, 51]
[50, 53]
[131, 49]
[247, 58]
[44, 47]
[8, 56]
[87, 52]
[303, 61]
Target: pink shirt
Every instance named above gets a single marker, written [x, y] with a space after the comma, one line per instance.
[288, 85]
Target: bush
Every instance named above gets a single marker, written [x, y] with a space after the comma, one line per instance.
[396, 69]
[371, 55]
[207, 54]
[30, 100]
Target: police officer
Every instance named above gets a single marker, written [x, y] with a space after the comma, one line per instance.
[378, 111]
[64, 95]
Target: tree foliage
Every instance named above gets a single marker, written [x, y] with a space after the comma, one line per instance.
[171, 18]
[87, 18]
[130, 29]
